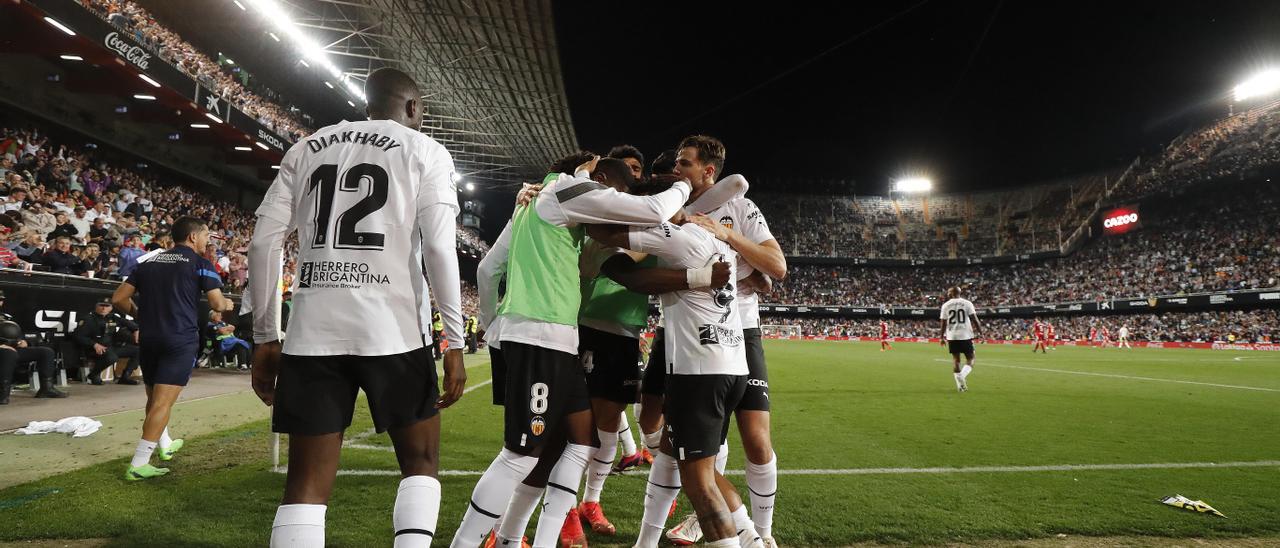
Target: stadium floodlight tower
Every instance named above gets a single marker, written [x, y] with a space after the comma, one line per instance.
[913, 185]
[1262, 84]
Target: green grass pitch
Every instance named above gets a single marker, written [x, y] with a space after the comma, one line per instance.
[872, 447]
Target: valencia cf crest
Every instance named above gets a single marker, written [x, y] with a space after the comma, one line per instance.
[537, 426]
[727, 221]
[1151, 302]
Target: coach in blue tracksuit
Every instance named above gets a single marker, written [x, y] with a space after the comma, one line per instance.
[168, 289]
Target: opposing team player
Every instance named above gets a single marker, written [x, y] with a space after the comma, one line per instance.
[1053, 336]
[372, 201]
[706, 376]
[959, 328]
[1093, 336]
[546, 400]
[1038, 335]
[884, 336]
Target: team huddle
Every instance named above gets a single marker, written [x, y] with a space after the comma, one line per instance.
[564, 298]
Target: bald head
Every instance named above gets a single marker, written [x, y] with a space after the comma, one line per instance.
[393, 95]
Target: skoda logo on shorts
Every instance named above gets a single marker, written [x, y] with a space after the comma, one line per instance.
[537, 426]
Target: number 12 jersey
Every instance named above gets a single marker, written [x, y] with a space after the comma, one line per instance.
[367, 198]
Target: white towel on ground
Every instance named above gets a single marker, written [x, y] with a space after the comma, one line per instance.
[78, 427]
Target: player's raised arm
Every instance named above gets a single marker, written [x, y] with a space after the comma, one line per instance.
[584, 201]
[729, 188]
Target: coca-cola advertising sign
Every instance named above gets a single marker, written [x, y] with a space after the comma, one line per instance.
[124, 48]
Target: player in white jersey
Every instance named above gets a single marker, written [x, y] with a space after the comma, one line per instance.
[706, 377]
[959, 328]
[739, 223]
[1124, 337]
[372, 201]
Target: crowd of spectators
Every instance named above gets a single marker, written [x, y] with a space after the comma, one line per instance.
[72, 211]
[1232, 148]
[1184, 247]
[1252, 326]
[945, 226]
[167, 45]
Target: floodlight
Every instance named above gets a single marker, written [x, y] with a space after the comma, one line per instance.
[913, 184]
[1262, 83]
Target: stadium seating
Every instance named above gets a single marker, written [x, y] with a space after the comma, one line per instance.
[1252, 326]
[1183, 248]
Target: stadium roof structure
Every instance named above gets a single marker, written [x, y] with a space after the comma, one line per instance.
[489, 71]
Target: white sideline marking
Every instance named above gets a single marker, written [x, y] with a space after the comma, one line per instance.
[1114, 376]
[354, 441]
[899, 471]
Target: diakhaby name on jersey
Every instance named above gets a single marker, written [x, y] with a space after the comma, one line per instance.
[348, 275]
[359, 137]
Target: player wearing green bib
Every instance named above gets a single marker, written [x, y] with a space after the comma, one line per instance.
[546, 392]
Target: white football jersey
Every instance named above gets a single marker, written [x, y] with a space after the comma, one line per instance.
[703, 331]
[956, 313]
[367, 199]
[742, 215]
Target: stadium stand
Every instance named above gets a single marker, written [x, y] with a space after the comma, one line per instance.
[1183, 248]
[167, 45]
[1251, 326]
[53, 191]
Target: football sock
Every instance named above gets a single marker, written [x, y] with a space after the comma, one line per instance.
[165, 440]
[731, 542]
[628, 441]
[298, 526]
[652, 441]
[722, 458]
[664, 486]
[762, 482]
[562, 494]
[416, 510]
[964, 373]
[519, 510]
[142, 454]
[601, 464]
[490, 497]
[747, 537]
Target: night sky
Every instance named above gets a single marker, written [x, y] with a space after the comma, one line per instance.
[976, 94]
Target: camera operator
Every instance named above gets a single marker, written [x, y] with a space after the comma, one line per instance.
[14, 350]
[107, 337]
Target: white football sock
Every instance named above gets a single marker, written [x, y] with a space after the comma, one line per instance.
[664, 486]
[562, 494]
[298, 526]
[747, 536]
[490, 497]
[519, 510]
[165, 440]
[964, 372]
[652, 441]
[601, 464]
[958, 379]
[142, 454]
[624, 435]
[762, 482]
[731, 542]
[416, 510]
[722, 458]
